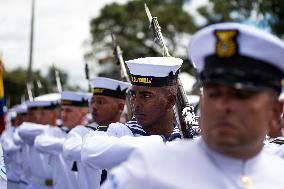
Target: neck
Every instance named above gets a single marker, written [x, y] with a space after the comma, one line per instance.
[113, 120]
[243, 153]
[163, 126]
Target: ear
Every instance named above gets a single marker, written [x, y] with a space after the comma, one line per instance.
[121, 106]
[274, 124]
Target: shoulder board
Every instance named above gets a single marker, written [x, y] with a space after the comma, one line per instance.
[278, 141]
[102, 128]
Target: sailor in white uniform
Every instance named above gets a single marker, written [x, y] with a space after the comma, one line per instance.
[108, 101]
[23, 158]
[46, 109]
[240, 68]
[10, 151]
[74, 107]
[153, 95]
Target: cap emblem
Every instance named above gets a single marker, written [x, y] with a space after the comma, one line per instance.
[226, 45]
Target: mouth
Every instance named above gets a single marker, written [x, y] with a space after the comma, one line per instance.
[225, 127]
[139, 115]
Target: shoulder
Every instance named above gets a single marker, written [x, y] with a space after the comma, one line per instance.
[152, 164]
[79, 129]
[118, 129]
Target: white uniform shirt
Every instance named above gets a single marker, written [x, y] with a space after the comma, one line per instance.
[104, 150]
[275, 146]
[10, 153]
[23, 159]
[190, 164]
[40, 171]
[87, 178]
[50, 143]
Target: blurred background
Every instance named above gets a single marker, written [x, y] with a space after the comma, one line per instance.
[63, 36]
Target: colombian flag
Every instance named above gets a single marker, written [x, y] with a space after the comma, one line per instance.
[2, 100]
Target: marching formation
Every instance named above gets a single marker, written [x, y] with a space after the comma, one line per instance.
[233, 141]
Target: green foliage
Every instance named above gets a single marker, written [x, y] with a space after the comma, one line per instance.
[130, 24]
[264, 13]
[15, 84]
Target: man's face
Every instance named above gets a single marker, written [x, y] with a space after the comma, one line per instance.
[47, 116]
[21, 118]
[149, 104]
[105, 109]
[235, 122]
[33, 116]
[72, 115]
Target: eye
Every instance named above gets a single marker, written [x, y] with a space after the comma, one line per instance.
[243, 95]
[132, 94]
[147, 95]
[210, 93]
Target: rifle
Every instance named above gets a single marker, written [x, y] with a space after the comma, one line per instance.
[87, 75]
[184, 112]
[89, 116]
[57, 79]
[117, 52]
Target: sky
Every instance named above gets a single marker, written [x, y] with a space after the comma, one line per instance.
[61, 27]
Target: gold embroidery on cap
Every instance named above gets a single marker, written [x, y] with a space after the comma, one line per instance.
[136, 79]
[226, 45]
[66, 102]
[98, 90]
[282, 82]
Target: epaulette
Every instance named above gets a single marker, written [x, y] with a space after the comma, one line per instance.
[102, 128]
[278, 141]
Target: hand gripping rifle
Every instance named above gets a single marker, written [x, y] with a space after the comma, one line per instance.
[184, 112]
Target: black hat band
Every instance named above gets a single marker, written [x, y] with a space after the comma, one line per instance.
[249, 72]
[74, 103]
[118, 93]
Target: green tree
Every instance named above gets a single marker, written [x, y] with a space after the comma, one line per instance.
[131, 26]
[264, 13]
[15, 84]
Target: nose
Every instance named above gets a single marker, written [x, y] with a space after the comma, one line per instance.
[224, 104]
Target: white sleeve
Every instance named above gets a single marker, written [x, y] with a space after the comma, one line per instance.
[105, 152]
[131, 174]
[46, 143]
[28, 131]
[16, 138]
[73, 143]
[8, 144]
[118, 130]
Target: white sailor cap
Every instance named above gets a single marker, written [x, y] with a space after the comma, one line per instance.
[75, 98]
[238, 55]
[48, 101]
[109, 87]
[154, 71]
[20, 109]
